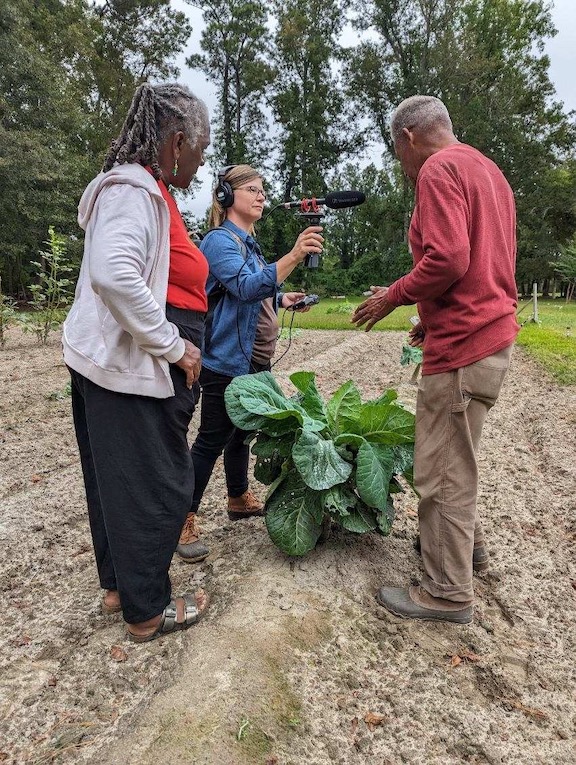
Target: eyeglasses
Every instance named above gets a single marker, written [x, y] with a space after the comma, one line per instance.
[254, 190]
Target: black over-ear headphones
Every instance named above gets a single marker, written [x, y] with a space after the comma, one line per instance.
[224, 193]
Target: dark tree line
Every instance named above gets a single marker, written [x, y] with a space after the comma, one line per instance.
[305, 91]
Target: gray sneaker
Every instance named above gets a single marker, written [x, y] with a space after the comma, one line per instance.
[190, 548]
[480, 557]
[397, 600]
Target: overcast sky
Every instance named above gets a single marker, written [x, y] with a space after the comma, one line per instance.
[561, 50]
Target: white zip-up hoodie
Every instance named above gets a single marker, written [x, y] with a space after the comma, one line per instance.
[116, 333]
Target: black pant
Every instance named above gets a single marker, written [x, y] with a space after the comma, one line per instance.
[139, 477]
[218, 434]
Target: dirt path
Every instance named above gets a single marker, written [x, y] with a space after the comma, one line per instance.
[294, 654]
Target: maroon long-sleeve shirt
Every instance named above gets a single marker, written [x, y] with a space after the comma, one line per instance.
[463, 242]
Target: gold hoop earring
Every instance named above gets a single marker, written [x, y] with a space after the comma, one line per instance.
[175, 169]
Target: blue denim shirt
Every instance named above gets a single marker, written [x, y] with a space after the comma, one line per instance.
[248, 280]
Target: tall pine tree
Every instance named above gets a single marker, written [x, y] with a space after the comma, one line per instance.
[236, 47]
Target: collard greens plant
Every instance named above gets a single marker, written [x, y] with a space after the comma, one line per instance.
[338, 459]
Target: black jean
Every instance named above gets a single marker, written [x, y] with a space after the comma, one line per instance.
[139, 477]
[218, 434]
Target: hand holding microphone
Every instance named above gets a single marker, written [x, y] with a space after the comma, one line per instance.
[311, 209]
[309, 241]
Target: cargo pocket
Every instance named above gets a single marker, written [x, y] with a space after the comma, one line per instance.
[483, 381]
[460, 394]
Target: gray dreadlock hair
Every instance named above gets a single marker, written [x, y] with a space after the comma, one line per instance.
[156, 112]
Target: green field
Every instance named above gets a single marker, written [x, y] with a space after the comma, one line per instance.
[336, 314]
[552, 342]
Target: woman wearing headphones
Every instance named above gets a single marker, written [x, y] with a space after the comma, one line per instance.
[241, 333]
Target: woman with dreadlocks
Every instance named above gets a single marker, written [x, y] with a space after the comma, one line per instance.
[132, 343]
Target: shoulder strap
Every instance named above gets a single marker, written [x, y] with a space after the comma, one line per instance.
[219, 290]
[241, 244]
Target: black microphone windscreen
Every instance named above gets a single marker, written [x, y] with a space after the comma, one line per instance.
[339, 199]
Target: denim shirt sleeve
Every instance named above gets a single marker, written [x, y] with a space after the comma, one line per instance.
[242, 277]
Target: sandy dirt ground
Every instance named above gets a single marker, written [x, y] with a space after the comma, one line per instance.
[295, 664]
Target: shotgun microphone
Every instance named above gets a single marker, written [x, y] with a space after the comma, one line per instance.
[336, 200]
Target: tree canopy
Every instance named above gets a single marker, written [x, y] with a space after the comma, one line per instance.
[305, 91]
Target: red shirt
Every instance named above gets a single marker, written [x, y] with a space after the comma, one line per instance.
[188, 266]
[463, 242]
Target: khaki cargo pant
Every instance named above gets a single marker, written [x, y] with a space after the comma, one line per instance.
[450, 413]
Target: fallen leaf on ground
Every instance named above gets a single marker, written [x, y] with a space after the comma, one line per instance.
[458, 658]
[118, 653]
[372, 719]
[538, 714]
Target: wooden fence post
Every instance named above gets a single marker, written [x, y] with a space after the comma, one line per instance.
[535, 302]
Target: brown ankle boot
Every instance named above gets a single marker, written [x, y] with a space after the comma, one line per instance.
[190, 548]
[244, 506]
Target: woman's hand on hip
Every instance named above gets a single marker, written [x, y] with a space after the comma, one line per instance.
[191, 362]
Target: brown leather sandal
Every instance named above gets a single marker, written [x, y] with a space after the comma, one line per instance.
[168, 619]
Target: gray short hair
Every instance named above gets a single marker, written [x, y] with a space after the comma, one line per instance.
[419, 112]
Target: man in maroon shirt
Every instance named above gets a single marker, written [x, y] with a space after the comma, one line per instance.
[463, 241]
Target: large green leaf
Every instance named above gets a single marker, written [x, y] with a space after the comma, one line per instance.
[287, 468]
[267, 469]
[339, 500]
[374, 469]
[318, 462]
[240, 417]
[294, 516]
[351, 440]
[360, 520]
[403, 458]
[387, 397]
[385, 517]
[385, 424]
[343, 408]
[409, 476]
[309, 397]
[302, 380]
[268, 446]
[237, 413]
[266, 403]
[256, 402]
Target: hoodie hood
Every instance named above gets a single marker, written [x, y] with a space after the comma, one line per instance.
[131, 173]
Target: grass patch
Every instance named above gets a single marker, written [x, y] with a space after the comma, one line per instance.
[336, 314]
[554, 314]
[554, 350]
[552, 342]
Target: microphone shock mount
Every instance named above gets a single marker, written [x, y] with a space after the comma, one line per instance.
[312, 213]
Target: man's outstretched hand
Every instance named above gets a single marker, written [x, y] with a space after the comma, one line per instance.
[416, 336]
[372, 310]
